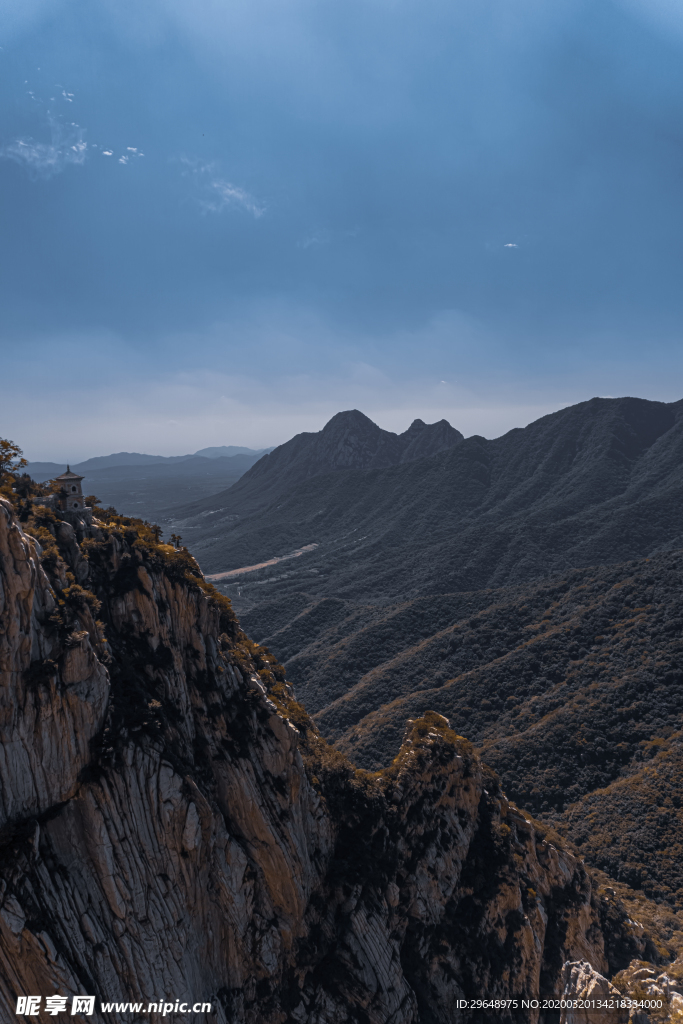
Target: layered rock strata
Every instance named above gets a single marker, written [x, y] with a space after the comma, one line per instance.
[173, 827]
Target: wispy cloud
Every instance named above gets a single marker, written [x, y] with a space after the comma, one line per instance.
[66, 147]
[227, 194]
[214, 194]
[44, 159]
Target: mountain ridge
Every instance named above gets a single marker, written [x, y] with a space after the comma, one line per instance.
[601, 480]
[350, 440]
[41, 471]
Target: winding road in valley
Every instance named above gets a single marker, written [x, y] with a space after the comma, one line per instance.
[261, 565]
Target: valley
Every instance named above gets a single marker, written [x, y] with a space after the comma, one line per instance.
[528, 589]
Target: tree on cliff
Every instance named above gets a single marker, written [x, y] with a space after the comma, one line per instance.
[9, 451]
[10, 462]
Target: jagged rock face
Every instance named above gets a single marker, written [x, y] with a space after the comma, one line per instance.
[446, 889]
[47, 720]
[588, 992]
[140, 883]
[178, 835]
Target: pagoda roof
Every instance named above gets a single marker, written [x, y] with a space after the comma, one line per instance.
[69, 475]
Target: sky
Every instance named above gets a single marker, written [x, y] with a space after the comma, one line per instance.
[223, 222]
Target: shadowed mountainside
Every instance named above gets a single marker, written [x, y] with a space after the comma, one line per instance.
[567, 687]
[349, 441]
[597, 482]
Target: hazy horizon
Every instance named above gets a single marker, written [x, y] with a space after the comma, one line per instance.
[402, 425]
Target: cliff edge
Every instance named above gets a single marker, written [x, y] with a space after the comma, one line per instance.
[172, 826]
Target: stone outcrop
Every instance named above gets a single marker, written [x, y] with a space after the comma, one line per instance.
[642, 993]
[173, 827]
[593, 995]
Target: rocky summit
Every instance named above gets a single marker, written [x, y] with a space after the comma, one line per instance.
[172, 821]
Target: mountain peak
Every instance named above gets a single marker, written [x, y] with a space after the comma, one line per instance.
[424, 439]
[350, 440]
[416, 427]
[350, 418]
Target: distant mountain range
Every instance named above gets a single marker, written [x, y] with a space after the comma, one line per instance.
[148, 486]
[47, 470]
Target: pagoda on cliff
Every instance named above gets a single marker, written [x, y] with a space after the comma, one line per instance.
[69, 498]
[71, 491]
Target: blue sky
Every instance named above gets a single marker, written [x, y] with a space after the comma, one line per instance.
[224, 221]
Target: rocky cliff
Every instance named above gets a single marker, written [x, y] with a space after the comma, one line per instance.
[173, 827]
